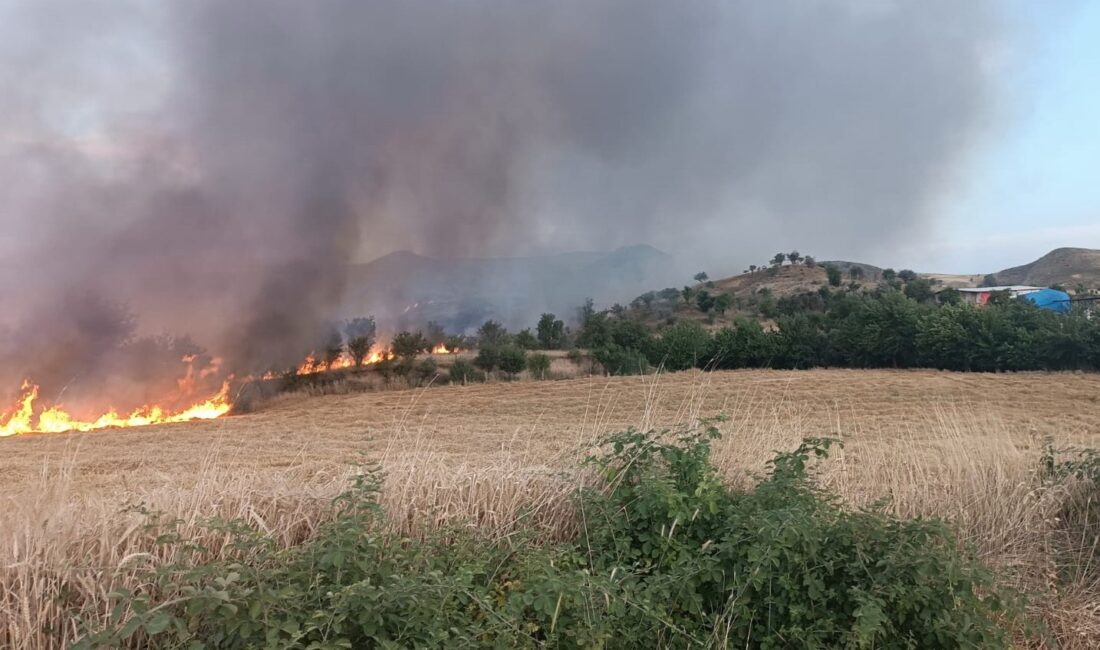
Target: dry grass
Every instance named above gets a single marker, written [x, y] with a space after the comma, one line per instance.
[955, 445]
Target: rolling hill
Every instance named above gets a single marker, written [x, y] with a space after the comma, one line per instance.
[1069, 267]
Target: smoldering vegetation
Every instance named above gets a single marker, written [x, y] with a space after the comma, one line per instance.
[215, 167]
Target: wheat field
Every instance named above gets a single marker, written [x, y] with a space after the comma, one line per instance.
[961, 446]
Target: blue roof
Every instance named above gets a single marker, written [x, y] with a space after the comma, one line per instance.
[1051, 299]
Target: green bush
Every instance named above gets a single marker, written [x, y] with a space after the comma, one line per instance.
[538, 364]
[464, 372]
[683, 345]
[669, 557]
[488, 358]
[618, 360]
[513, 360]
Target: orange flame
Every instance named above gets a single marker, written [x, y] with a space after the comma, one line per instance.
[21, 418]
[442, 349]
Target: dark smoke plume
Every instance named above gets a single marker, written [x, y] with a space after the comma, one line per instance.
[215, 165]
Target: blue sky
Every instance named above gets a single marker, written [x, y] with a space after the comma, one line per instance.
[1033, 183]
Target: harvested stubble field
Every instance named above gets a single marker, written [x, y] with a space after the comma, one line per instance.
[961, 446]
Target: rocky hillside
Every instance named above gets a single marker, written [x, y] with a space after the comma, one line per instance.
[1069, 267]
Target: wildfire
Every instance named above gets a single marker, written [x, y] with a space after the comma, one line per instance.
[22, 418]
[312, 365]
[442, 349]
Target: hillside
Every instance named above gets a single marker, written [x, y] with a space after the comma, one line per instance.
[1069, 267]
[404, 288]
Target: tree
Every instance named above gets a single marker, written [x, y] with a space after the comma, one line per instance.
[688, 293]
[809, 261]
[704, 301]
[334, 347]
[920, 290]
[722, 303]
[907, 275]
[682, 346]
[855, 272]
[513, 360]
[752, 268]
[833, 273]
[538, 364]
[360, 333]
[526, 340]
[889, 274]
[794, 257]
[949, 296]
[779, 259]
[492, 334]
[701, 277]
[989, 280]
[550, 332]
[408, 344]
[488, 358]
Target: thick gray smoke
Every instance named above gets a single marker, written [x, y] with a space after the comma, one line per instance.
[216, 165]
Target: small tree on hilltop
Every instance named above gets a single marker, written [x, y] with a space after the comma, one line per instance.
[809, 261]
[794, 257]
[360, 333]
[907, 275]
[701, 277]
[779, 259]
[722, 303]
[408, 344]
[752, 268]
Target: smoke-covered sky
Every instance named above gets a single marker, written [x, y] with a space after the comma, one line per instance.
[215, 165]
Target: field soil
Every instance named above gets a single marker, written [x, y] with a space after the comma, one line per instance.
[962, 446]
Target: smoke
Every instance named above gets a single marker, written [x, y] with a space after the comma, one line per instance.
[216, 165]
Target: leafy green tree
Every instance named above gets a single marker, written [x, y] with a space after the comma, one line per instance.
[989, 280]
[701, 277]
[408, 344]
[492, 334]
[907, 275]
[683, 345]
[794, 257]
[687, 293]
[550, 332]
[538, 364]
[920, 290]
[779, 259]
[360, 333]
[809, 261]
[889, 274]
[488, 358]
[950, 296]
[752, 268]
[526, 340]
[723, 302]
[833, 274]
[618, 360]
[513, 360]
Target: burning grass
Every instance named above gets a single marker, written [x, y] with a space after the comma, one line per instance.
[965, 447]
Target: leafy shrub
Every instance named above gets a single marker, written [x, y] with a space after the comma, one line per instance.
[526, 340]
[669, 557]
[683, 345]
[538, 364]
[488, 358]
[464, 372]
[618, 360]
[513, 360]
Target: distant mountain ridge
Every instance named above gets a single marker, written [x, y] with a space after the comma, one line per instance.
[406, 289]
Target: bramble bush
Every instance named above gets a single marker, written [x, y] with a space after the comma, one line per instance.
[670, 557]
